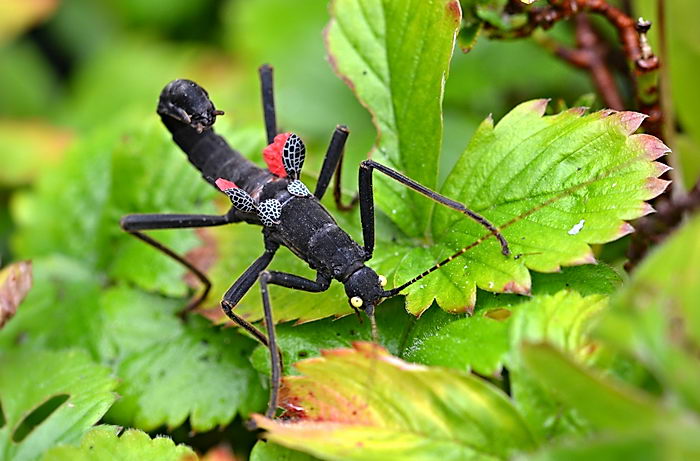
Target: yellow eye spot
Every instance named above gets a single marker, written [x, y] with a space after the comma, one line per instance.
[382, 281]
[356, 301]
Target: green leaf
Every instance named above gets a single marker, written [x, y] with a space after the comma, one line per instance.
[308, 340]
[643, 446]
[586, 280]
[607, 405]
[266, 451]
[553, 184]
[476, 343]
[395, 56]
[75, 208]
[170, 371]
[106, 443]
[562, 320]
[59, 311]
[655, 317]
[483, 340]
[363, 403]
[32, 383]
[140, 184]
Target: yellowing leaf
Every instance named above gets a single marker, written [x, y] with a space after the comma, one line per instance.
[363, 403]
[18, 15]
[15, 282]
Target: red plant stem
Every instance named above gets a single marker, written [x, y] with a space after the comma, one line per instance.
[593, 50]
[644, 63]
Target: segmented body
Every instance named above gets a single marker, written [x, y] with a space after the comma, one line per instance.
[302, 224]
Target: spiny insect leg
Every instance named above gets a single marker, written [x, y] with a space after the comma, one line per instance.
[135, 223]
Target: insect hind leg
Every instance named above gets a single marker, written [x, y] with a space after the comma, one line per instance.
[134, 224]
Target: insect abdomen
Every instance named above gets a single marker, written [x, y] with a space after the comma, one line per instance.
[212, 156]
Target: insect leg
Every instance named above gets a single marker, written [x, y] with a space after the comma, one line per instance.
[333, 164]
[290, 281]
[268, 99]
[234, 294]
[135, 223]
[240, 287]
[367, 203]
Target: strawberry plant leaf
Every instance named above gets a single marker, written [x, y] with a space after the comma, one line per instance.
[59, 311]
[606, 404]
[363, 403]
[482, 342]
[68, 394]
[203, 370]
[562, 320]
[586, 280]
[625, 421]
[655, 316]
[485, 339]
[106, 443]
[110, 177]
[170, 371]
[553, 184]
[395, 57]
[201, 375]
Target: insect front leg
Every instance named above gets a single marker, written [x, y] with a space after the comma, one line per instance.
[135, 223]
[241, 286]
[290, 281]
[367, 203]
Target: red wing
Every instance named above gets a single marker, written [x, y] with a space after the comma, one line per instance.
[224, 184]
[273, 155]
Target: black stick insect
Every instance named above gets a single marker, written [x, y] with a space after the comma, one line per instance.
[290, 215]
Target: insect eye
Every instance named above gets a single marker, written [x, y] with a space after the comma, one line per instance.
[356, 301]
[382, 281]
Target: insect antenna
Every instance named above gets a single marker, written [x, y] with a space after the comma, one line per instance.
[397, 290]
